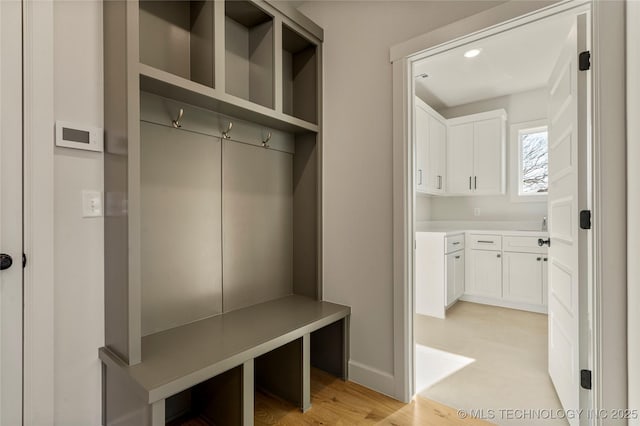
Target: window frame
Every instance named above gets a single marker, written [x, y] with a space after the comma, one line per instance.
[516, 157]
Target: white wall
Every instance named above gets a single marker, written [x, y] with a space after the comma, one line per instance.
[520, 107]
[79, 284]
[358, 240]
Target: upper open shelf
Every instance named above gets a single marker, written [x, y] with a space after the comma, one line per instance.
[221, 56]
[299, 76]
[178, 37]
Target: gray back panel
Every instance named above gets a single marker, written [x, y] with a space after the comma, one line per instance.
[164, 36]
[237, 59]
[181, 227]
[258, 224]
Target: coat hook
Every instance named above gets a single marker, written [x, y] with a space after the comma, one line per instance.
[225, 134]
[177, 122]
[265, 142]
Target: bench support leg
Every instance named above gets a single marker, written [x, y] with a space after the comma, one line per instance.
[247, 393]
[306, 373]
[157, 413]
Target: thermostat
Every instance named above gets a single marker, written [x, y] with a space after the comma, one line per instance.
[69, 135]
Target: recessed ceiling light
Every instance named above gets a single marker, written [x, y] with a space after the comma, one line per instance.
[471, 53]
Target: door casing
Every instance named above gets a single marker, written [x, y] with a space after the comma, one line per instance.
[607, 113]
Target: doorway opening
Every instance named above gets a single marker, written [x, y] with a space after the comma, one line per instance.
[501, 135]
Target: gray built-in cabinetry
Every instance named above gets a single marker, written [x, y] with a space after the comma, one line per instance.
[213, 277]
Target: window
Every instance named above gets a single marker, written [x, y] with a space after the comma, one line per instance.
[530, 163]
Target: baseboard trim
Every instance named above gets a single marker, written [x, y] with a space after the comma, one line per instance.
[372, 378]
[504, 303]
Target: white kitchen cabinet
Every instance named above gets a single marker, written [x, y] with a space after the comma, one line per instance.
[460, 158]
[476, 154]
[523, 277]
[484, 276]
[455, 276]
[431, 151]
[422, 149]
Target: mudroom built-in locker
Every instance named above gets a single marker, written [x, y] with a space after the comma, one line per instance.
[213, 224]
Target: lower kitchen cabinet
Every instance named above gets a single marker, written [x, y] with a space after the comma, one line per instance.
[485, 274]
[523, 278]
[455, 276]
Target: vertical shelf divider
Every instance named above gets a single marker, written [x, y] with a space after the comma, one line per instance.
[277, 72]
[219, 43]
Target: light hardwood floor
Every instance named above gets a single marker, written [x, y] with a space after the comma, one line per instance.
[507, 351]
[335, 402]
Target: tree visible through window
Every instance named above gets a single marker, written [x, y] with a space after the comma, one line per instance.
[534, 161]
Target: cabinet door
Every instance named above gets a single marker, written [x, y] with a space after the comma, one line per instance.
[437, 156]
[421, 139]
[522, 277]
[545, 279]
[485, 274]
[488, 149]
[460, 158]
[451, 279]
[458, 285]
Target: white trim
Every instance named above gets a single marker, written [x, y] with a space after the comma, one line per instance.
[515, 155]
[371, 377]
[609, 384]
[38, 213]
[530, 307]
[633, 204]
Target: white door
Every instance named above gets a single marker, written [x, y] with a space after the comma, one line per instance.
[10, 213]
[421, 136]
[563, 204]
[460, 158]
[522, 277]
[488, 150]
[437, 155]
[485, 273]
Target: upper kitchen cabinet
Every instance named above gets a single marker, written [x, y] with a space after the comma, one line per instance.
[431, 151]
[476, 154]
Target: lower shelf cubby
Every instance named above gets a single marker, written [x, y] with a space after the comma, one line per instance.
[280, 372]
[217, 401]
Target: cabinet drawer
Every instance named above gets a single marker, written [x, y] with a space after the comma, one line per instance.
[523, 244]
[454, 243]
[485, 242]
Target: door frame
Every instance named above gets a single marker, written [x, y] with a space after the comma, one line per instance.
[606, 311]
[38, 296]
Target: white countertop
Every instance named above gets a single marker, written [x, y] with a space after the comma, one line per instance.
[498, 227]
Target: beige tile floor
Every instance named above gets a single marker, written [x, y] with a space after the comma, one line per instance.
[510, 368]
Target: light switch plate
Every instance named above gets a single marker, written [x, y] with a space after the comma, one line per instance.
[91, 204]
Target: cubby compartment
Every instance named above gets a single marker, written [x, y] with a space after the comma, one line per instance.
[249, 53]
[299, 76]
[178, 37]
[217, 401]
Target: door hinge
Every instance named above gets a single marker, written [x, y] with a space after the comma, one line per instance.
[585, 379]
[24, 260]
[585, 219]
[584, 61]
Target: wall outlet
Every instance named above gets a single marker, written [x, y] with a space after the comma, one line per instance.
[91, 204]
[476, 211]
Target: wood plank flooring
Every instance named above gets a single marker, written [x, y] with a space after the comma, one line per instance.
[335, 402]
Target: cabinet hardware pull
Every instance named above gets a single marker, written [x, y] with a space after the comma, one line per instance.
[419, 176]
[539, 259]
[545, 259]
[475, 182]
[469, 183]
[485, 241]
[456, 243]
[457, 257]
[498, 255]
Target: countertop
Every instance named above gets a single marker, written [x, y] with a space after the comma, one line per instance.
[485, 228]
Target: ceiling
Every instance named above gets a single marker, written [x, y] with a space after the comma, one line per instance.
[511, 62]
